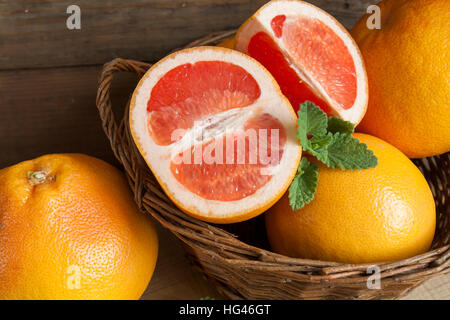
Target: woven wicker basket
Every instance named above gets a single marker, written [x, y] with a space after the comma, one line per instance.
[242, 267]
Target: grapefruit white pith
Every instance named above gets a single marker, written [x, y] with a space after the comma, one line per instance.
[311, 56]
[216, 131]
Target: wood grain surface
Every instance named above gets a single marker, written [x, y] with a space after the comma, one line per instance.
[33, 34]
[48, 82]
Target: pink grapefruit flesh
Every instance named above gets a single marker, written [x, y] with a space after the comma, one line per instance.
[265, 50]
[322, 54]
[238, 178]
[312, 57]
[217, 132]
[192, 91]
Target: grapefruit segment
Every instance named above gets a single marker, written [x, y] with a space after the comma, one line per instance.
[323, 55]
[264, 49]
[230, 167]
[277, 25]
[310, 55]
[191, 91]
[215, 129]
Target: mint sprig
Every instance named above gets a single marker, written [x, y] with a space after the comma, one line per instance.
[313, 122]
[347, 152]
[336, 125]
[331, 142]
[304, 185]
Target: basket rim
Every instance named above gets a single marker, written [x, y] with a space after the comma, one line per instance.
[202, 236]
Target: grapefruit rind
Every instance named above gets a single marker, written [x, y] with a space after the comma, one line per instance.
[261, 22]
[158, 157]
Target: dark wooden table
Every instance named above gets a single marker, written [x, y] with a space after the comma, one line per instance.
[48, 82]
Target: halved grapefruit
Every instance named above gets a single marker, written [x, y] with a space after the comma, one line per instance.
[216, 131]
[311, 56]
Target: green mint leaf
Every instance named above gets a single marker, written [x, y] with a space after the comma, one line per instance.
[347, 152]
[303, 188]
[319, 146]
[319, 143]
[312, 121]
[337, 125]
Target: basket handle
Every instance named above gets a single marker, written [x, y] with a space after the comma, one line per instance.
[103, 100]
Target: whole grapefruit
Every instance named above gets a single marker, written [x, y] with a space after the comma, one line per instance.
[408, 68]
[69, 229]
[385, 213]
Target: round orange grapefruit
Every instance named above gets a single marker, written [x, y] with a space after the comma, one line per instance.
[310, 54]
[385, 213]
[408, 67]
[69, 229]
[218, 134]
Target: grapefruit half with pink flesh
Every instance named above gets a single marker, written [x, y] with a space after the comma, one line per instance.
[311, 56]
[216, 131]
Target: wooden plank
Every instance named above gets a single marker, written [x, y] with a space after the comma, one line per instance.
[52, 111]
[33, 34]
[435, 289]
